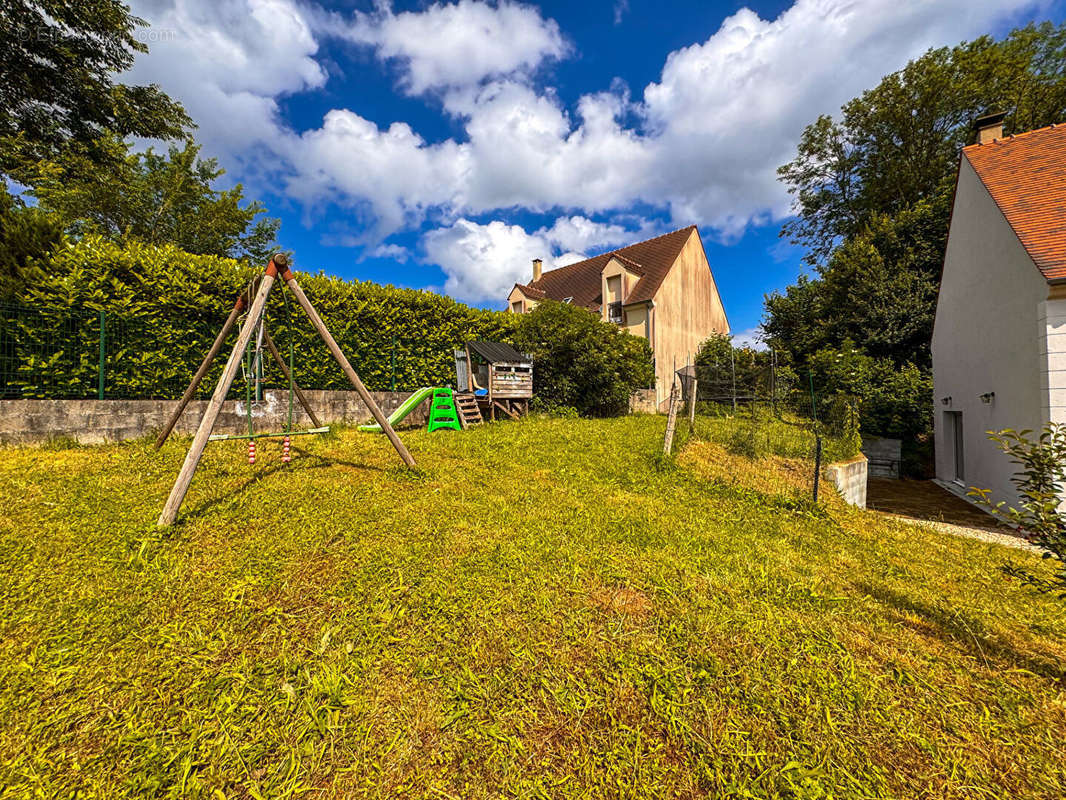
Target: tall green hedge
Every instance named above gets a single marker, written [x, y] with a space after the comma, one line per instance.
[164, 307]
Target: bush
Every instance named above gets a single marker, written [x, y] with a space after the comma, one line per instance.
[165, 307]
[894, 400]
[27, 236]
[843, 425]
[581, 361]
[1041, 480]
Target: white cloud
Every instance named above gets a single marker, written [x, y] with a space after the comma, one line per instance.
[483, 262]
[711, 131]
[455, 44]
[228, 61]
[752, 337]
[393, 251]
[702, 142]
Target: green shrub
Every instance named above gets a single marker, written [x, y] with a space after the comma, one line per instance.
[894, 400]
[165, 306]
[581, 361]
[1040, 480]
[549, 408]
[27, 236]
[843, 425]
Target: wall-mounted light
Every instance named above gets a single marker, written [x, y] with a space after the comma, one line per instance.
[946, 400]
[988, 397]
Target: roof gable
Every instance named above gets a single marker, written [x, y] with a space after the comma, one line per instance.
[1026, 177]
[651, 259]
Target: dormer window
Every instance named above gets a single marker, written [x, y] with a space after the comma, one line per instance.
[568, 300]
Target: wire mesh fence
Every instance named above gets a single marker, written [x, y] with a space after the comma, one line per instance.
[70, 353]
[768, 419]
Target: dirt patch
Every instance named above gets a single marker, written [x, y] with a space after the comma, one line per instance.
[621, 600]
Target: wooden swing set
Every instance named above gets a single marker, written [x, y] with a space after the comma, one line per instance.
[255, 298]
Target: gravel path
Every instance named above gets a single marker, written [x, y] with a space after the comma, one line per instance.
[1005, 539]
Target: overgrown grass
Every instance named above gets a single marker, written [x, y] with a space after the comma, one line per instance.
[541, 611]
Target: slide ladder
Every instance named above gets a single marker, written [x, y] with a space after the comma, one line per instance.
[442, 412]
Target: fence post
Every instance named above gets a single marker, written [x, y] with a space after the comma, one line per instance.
[733, 370]
[817, 464]
[773, 382]
[392, 361]
[671, 420]
[102, 368]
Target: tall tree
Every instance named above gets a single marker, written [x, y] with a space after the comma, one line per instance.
[27, 236]
[154, 198]
[58, 63]
[873, 191]
[898, 143]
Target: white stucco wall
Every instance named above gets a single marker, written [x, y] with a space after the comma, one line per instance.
[988, 337]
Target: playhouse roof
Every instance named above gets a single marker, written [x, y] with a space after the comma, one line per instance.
[496, 352]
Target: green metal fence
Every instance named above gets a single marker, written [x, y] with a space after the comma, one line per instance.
[88, 353]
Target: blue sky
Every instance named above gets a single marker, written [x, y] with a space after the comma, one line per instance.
[444, 145]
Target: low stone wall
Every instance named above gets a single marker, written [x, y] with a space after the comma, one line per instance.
[642, 401]
[849, 477]
[95, 421]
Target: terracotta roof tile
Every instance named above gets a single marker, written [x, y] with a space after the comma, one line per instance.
[1026, 176]
[651, 259]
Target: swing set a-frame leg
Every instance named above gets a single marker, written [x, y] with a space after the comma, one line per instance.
[214, 406]
[353, 376]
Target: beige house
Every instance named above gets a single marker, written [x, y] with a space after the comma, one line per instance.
[999, 340]
[661, 289]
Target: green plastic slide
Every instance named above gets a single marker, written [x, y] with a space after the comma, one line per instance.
[409, 405]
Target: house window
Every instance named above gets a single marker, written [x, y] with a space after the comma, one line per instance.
[568, 300]
[614, 312]
[516, 307]
[614, 288]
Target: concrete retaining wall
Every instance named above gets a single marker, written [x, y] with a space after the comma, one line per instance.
[95, 421]
[884, 456]
[849, 477]
[642, 401]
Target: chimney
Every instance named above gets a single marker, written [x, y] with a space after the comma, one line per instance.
[537, 264]
[989, 127]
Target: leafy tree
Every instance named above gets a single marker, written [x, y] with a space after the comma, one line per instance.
[873, 191]
[58, 61]
[1041, 481]
[899, 142]
[878, 288]
[154, 198]
[893, 399]
[27, 236]
[581, 361]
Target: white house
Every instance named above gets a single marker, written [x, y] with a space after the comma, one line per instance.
[999, 340]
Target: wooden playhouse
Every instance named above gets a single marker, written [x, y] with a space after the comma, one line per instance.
[492, 378]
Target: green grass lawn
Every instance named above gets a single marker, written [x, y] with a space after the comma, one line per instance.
[544, 610]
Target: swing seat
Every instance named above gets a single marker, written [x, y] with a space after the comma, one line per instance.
[220, 437]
